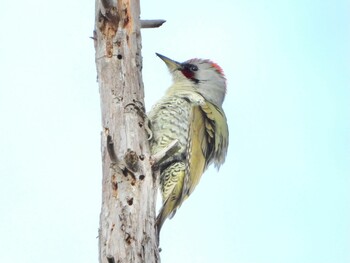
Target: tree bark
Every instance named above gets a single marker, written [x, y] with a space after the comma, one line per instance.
[127, 220]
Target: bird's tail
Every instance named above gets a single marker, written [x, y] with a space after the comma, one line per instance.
[166, 211]
[172, 198]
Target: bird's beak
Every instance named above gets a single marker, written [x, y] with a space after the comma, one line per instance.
[171, 64]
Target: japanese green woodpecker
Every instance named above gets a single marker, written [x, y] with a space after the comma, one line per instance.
[190, 112]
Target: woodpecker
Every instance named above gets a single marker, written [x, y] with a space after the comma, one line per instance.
[190, 112]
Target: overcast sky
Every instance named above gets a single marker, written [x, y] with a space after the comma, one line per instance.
[281, 197]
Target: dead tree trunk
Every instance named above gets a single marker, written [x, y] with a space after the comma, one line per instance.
[127, 233]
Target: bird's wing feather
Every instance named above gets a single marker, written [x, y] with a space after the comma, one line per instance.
[207, 143]
[217, 130]
[196, 149]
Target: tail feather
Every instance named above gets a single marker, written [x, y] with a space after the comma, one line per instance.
[162, 216]
[167, 211]
[172, 198]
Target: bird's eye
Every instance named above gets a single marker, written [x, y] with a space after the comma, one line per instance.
[194, 68]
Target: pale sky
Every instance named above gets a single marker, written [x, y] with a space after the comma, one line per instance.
[281, 197]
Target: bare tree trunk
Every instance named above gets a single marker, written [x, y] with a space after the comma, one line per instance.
[127, 233]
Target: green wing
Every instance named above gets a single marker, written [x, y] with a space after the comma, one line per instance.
[208, 143]
[197, 148]
[217, 133]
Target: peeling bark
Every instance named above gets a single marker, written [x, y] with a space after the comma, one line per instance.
[127, 233]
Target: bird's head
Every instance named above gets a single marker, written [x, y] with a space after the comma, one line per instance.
[206, 76]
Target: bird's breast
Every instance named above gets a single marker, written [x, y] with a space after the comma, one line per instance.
[169, 122]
